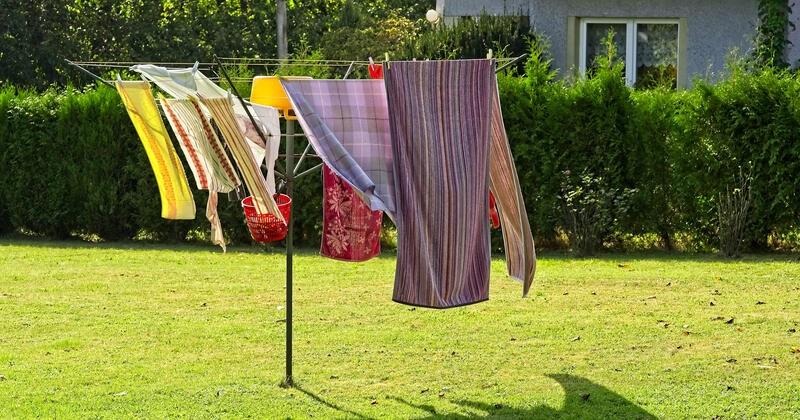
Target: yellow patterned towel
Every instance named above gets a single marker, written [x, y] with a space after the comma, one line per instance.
[176, 198]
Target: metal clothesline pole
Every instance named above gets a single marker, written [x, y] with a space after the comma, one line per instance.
[288, 380]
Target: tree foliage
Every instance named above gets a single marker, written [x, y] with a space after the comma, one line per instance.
[772, 34]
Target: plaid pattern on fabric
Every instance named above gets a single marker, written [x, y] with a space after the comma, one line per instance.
[347, 123]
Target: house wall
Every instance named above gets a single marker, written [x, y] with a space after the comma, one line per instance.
[712, 27]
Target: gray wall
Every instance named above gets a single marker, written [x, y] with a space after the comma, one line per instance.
[793, 51]
[475, 7]
[714, 27]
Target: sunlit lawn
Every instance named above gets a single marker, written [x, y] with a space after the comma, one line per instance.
[168, 331]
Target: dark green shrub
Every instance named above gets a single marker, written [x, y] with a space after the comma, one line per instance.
[751, 117]
[101, 138]
[591, 209]
[39, 192]
[7, 95]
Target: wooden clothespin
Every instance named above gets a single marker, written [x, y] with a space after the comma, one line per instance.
[386, 60]
[490, 54]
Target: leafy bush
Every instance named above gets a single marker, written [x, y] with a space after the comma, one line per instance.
[733, 206]
[471, 38]
[591, 210]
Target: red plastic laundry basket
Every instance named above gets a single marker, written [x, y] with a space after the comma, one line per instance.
[266, 227]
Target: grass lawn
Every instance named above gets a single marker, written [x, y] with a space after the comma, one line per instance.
[128, 330]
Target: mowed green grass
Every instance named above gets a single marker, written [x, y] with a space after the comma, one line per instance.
[186, 331]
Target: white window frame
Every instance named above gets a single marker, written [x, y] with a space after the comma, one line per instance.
[631, 41]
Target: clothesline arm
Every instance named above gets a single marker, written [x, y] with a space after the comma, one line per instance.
[94, 76]
[510, 63]
[308, 171]
[302, 158]
[246, 110]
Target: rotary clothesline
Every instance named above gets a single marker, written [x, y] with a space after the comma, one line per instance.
[292, 170]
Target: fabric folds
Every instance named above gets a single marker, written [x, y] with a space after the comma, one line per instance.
[176, 197]
[426, 148]
[440, 128]
[203, 151]
[223, 115]
[347, 123]
[189, 82]
[504, 183]
[350, 230]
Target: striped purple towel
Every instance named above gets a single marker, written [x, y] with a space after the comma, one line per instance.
[439, 113]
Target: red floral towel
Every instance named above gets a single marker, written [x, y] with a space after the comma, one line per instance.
[350, 230]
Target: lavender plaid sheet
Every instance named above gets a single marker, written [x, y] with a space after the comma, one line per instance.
[347, 123]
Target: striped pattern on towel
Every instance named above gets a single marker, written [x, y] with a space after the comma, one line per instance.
[440, 129]
[188, 82]
[222, 111]
[504, 183]
[176, 197]
[207, 159]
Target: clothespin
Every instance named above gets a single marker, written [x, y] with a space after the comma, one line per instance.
[386, 60]
[490, 54]
[196, 65]
[371, 61]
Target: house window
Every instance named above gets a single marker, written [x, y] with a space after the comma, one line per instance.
[648, 47]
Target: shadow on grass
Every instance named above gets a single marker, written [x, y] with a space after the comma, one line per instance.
[315, 397]
[278, 249]
[583, 399]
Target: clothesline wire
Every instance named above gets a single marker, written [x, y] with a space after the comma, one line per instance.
[245, 62]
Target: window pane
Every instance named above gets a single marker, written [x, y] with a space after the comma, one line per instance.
[656, 55]
[595, 36]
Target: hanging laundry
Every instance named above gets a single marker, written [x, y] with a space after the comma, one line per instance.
[347, 123]
[183, 83]
[504, 183]
[440, 124]
[494, 217]
[375, 71]
[207, 159]
[350, 230]
[180, 83]
[268, 119]
[176, 197]
[222, 111]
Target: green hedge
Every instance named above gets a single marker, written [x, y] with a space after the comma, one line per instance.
[676, 150]
[72, 162]
[74, 165]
